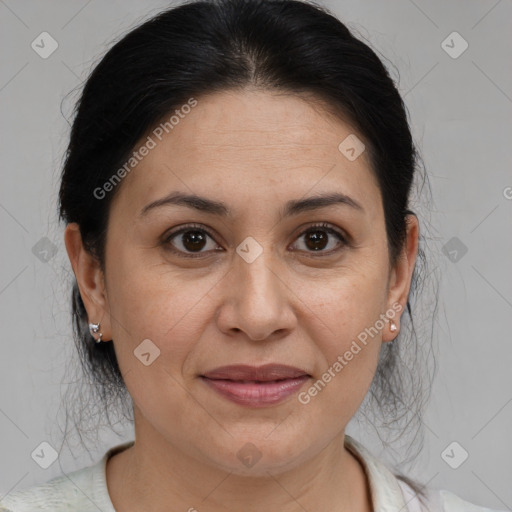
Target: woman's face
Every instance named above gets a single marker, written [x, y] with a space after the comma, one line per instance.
[248, 287]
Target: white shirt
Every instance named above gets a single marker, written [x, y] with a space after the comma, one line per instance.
[85, 490]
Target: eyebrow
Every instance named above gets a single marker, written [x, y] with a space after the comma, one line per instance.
[293, 207]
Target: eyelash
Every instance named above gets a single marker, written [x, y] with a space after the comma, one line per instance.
[198, 227]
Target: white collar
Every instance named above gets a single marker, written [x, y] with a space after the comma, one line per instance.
[385, 489]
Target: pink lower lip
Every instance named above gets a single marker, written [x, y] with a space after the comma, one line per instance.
[256, 394]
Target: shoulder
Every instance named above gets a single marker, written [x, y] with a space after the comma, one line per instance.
[453, 503]
[439, 500]
[84, 489]
[392, 492]
[59, 494]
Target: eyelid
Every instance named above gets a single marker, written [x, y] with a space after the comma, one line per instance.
[343, 237]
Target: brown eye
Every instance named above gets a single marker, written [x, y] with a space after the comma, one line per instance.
[193, 240]
[318, 238]
[190, 240]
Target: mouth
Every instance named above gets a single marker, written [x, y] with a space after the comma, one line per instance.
[265, 373]
[256, 386]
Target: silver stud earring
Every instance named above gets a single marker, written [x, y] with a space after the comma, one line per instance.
[94, 328]
[392, 327]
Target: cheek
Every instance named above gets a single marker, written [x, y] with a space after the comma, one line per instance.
[343, 304]
[343, 317]
[153, 302]
[348, 356]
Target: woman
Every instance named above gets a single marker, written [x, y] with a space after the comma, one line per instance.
[236, 196]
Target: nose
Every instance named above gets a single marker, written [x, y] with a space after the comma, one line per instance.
[256, 300]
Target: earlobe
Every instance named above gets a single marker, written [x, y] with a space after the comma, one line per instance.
[391, 331]
[89, 277]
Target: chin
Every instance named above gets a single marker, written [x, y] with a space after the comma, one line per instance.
[258, 459]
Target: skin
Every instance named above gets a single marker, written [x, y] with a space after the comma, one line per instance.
[254, 151]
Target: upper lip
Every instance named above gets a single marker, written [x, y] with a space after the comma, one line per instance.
[267, 372]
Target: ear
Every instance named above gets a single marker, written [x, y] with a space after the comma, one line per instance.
[401, 276]
[90, 280]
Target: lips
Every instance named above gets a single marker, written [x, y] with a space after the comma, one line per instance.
[265, 373]
[256, 386]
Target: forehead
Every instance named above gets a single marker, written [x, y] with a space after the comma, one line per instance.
[252, 142]
[260, 123]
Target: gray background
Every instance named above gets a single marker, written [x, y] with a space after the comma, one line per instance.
[460, 112]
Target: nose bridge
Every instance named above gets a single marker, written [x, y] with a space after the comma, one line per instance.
[256, 292]
[253, 269]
